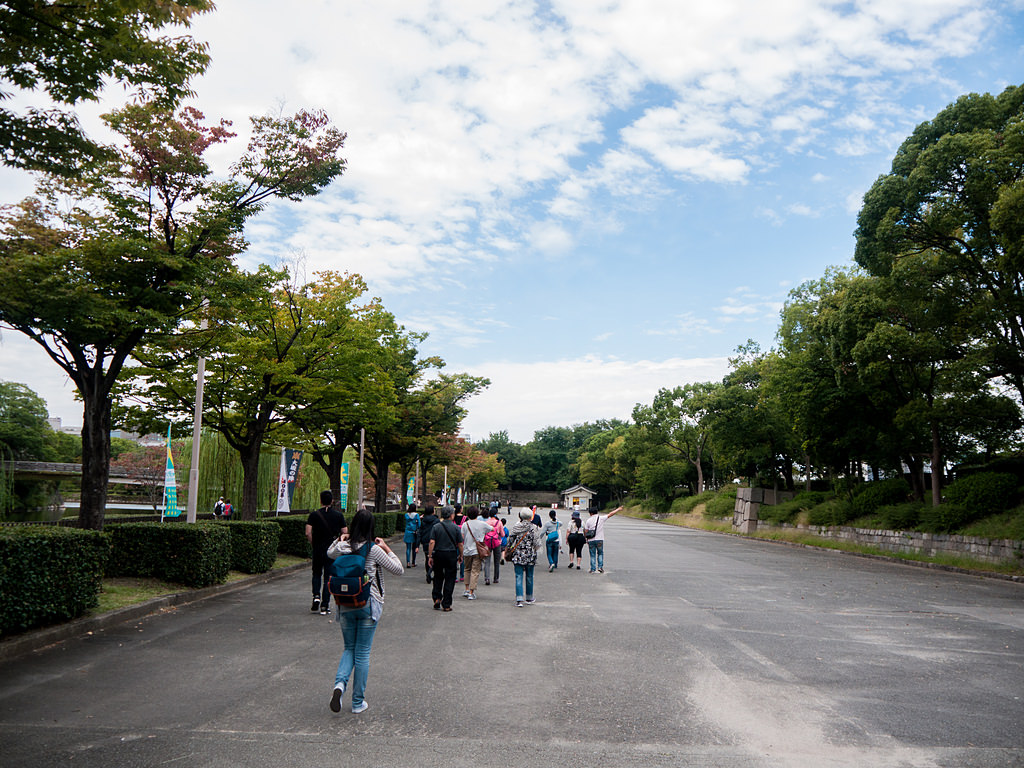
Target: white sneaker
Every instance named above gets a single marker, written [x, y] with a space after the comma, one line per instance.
[360, 708]
[339, 691]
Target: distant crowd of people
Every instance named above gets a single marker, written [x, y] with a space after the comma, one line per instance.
[457, 547]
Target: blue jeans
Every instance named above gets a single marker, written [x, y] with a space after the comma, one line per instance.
[524, 571]
[410, 552]
[552, 552]
[357, 629]
[596, 555]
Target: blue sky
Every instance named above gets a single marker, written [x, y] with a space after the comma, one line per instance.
[584, 201]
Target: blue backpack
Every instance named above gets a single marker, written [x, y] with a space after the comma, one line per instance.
[348, 581]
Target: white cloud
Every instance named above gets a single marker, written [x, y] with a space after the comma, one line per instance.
[525, 397]
[23, 361]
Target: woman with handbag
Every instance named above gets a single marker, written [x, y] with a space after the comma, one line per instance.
[552, 539]
[474, 550]
[358, 625]
[524, 540]
[575, 539]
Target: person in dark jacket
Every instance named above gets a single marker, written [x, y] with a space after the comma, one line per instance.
[427, 522]
[444, 556]
[323, 526]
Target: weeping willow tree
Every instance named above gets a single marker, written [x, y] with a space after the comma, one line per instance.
[220, 474]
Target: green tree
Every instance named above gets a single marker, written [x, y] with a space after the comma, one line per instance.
[955, 191]
[25, 433]
[70, 50]
[678, 418]
[259, 362]
[142, 242]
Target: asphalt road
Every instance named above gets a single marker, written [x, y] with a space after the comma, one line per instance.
[693, 649]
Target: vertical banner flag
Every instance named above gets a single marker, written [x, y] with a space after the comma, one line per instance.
[170, 484]
[290, 460]
[343, 501]
[410, 492]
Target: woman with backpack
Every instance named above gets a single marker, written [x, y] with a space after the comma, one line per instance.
[358, 625]
[493, 540]
[524, 539]
[412, 536]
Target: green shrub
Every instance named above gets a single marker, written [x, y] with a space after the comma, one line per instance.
[869, 497]
[786, 511]
[900, 517]
[985, 493]
[722, 503]
[946, 517]
[253, 545]
[195, 555]
[292, 540]
[687, 504]
[831, 512]
[809, 499]
[48, 574]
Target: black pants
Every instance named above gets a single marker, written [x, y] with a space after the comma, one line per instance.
[426, 560]
[321, 574]
[446, 565]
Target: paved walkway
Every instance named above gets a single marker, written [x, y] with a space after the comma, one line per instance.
[692, 649]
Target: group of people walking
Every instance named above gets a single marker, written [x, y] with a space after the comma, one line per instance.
[473, 544]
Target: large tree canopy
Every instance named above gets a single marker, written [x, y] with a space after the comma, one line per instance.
[956, 192]
[70, 50]
[131, 248]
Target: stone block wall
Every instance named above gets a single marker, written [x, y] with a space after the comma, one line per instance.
[928, 544]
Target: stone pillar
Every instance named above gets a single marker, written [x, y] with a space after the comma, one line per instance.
[745, 513]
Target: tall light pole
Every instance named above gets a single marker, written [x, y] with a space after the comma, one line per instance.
[362, 447]
[197, 426]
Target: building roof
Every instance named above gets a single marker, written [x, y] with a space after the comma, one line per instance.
[577, 488]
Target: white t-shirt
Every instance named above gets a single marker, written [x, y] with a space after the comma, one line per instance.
[596, 521]
[473, 532]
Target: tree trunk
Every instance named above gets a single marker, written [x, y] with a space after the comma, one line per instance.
[916, 466]
[936, 460]
[380, 491]
[807, 470]
[95, 457]
[250, 456]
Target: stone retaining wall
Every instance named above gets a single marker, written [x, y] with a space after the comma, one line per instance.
[929, 544]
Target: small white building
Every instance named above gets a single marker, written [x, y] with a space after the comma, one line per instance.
[578, 496]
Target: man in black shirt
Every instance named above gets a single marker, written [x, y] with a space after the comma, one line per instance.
[322, 527]
[444, 557]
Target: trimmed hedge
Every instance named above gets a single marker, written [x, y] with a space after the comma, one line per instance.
[48, 574]
[253, 545]
[384, 523]
[831, 512]
[901, 517]
[786, 511]
[870, 496]
[945, 518]
[292, 538]
[985, 493]
[196, 555]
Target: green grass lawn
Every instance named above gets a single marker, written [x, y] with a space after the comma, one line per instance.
[125, 591]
